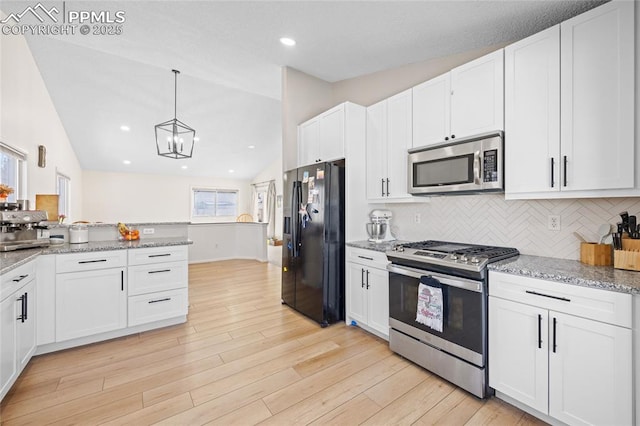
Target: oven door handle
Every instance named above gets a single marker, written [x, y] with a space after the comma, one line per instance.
[451, 281]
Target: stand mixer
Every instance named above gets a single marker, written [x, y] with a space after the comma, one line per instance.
[379, 229]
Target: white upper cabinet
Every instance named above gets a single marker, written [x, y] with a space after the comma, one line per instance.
[464, 102]
[569, 108]
[323, 137]
[431, 107]
[389, 137]
[477, 96]
[532, 114]
[597, 82]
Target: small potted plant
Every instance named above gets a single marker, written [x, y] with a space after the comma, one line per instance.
[5, 191]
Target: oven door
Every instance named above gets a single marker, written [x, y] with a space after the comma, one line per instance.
[464, 312]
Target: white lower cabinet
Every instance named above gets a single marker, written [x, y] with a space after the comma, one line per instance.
[158, 289]
[563, 351]
[90, 302]
[17, 323]
[368, 291]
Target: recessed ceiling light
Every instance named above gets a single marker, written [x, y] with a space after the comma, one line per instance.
[126, 162]
[125, 128]
[231, 170]
[251, 146]
[196, 139]
[183, 167]
[287, 41]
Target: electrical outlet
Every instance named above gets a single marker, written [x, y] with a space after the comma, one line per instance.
[416, 218]
[148, 231]
[553, 222]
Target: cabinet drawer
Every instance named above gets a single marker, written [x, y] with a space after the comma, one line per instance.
[599, 305]
[157, 277]
[90, 261]
[16, 278]
[157, 255]
[375, 259]
[158, 306]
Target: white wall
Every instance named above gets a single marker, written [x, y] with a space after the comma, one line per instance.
[303, 97]
[28, 118]
[131, 197]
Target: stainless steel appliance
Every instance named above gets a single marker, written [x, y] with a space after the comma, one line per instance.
[21, 229]
[458, 353]
[313, 241]
[379, 229]
[470, 165]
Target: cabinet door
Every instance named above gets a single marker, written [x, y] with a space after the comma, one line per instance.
[477, 96]
[356, 293]
[431, 107]
[597, 83]
[8, 363]
[532, 113]
[590, 371]
[26, 326]
[377, 286]
[331, 144]
[399, 136]
[376, 151]
[308, 142]
[90, 302]
[518, 357]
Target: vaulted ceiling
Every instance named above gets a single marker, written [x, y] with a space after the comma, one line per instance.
[230, 60]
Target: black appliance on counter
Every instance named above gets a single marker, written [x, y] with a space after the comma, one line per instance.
[458, 352]
[313, 276]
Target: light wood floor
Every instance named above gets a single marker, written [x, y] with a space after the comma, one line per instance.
[242, 358]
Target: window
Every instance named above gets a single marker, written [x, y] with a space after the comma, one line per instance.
[214, 203]
[63, 184]
[13, 171]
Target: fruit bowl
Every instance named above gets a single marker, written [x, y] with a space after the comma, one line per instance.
[127, 233]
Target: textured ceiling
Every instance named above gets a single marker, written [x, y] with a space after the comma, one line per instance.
[230, 60]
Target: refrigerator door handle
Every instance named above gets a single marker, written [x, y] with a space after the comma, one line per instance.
[295, 219]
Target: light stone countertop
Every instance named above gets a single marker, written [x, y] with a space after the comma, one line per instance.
[368, 245]
[12, 259]
[570, 272]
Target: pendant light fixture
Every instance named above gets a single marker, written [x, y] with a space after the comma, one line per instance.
[174, 139]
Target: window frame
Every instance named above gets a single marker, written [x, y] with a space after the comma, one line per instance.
[66, 208]
[20, 185]
[215, 217]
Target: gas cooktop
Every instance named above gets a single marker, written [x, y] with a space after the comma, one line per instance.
[470, 257]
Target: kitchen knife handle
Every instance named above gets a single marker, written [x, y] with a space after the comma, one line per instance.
[564, 171]
[553, 164]
[539, 331]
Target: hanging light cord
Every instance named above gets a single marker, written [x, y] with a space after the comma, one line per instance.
[175, 93]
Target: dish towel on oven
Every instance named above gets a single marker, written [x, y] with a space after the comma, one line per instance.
[430, 305]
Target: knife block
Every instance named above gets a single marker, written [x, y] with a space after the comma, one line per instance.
[596, 254]
[629, 257]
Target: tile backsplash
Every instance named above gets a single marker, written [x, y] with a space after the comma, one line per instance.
[491, 220]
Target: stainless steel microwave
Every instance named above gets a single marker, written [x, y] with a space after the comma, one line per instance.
[470, 165]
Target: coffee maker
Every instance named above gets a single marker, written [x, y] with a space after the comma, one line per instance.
[379, 229]
[21, 229]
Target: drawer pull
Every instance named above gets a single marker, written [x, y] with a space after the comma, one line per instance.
[535, 293]
[166, 299]
[157, 272]
[92, 261]
[539, 331]
[365, 257]
[20, 278]
[160, 255]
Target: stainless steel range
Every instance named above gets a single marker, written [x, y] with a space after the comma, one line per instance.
[438, 308]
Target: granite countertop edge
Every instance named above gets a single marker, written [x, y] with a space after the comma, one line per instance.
[368, 245]
[13, 259]
[572, 272]
[53, 225]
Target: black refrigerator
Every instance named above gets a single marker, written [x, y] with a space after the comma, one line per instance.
[313, 241]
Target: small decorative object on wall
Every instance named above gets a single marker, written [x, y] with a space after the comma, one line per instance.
[42, 156]
[174, 139]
